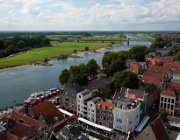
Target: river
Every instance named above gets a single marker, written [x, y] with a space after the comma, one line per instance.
[18, 84]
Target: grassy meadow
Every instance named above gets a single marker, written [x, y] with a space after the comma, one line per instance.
[56, 50]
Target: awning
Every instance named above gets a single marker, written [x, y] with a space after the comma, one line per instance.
[95, 125]
[140, 127]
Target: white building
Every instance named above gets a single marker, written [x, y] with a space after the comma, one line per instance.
[168, 101]
[82, 98]
[91, 106]
[126, 115]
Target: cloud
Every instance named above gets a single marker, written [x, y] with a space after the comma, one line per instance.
[99, 15]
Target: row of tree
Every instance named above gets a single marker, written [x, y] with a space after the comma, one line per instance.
[113, 62]
[79, 74]
[160, 43]
[13, 45]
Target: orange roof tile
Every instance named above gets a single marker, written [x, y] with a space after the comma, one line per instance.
[27, 120]
[135, 67]
[168, 92]
[131, 96]
[48, 111]
[105, 105]
[175, 86]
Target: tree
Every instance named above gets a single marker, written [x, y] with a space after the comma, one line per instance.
[86, 48]
[113, 62]
[92, 67]
[64, 76]
[126, 79]
[138, 53]
[103, 93]
[177, 56]
[21, 44]
[164, 114]
[178, 40]
[160, 43]
[1, 45]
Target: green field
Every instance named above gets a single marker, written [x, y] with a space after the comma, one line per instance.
[38, 55]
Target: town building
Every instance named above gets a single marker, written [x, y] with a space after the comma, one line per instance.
[104, 115]
[71, 132]
[50, 117]
[68, 100]
[154, 131]
[170, 101]
[91, 109]
[127, 114]
[82, 99]
[12, 129]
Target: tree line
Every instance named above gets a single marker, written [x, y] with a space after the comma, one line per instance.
[17, 44]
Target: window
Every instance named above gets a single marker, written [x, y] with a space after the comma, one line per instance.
[119, 120]
[165, 99]
[79, 96]
[168, 106]
[172, 100]
[169, 100]
[161, 98]
[172, 107]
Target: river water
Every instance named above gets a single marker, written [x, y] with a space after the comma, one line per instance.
[18, 84]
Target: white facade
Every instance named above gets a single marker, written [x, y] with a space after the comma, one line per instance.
[82, 99]
[91, 106]
[126, 116]
[167, 103]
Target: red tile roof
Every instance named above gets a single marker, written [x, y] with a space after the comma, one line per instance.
[155, 60]
[175, 86]
[21, 130]
[27, 120]
[131, 96]
[168, 92]
[48, 111]
[105, 105]
[135, 67]
[151, 79]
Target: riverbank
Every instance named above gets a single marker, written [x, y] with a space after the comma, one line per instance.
[41, 55]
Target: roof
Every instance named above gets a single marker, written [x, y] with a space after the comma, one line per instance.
[97, 99]
[21, 130]
[151, 79]
[154, 131]
[175, 86]
[135, 67]
[69, 92]
[105, 105]
[27, 120]
[159, 129]
[85, 92]
[165, 59]
[72, 131]
[140, 127]
[50, 113]
[168, 92]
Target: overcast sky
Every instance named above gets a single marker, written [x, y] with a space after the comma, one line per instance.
[98, 15]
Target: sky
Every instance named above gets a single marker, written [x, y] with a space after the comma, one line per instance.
[96, 15]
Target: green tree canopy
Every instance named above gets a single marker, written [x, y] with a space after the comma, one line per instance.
[126, 79]
[92, 67]
[160, 43]
[113, 62]
[138, 53]
[64, 76]
[177, 56]
[164, 114]
[103, 93]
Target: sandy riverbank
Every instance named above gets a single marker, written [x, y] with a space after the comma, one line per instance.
[15, 67]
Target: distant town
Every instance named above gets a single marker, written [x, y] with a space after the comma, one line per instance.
[133, 94]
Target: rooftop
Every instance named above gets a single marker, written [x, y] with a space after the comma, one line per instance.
[105, 105]
[85, 92]
[97, 99]
[168, 92]
[50, 113]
